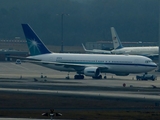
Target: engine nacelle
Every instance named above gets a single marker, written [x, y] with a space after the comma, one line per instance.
[91, 71]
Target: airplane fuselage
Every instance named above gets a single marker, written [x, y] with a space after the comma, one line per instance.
[114, 63]
[146, 51]
[149, 51]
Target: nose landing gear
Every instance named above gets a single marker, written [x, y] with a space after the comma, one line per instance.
[105, 77]
[68, 76]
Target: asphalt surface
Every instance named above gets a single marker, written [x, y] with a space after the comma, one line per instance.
[26, 78]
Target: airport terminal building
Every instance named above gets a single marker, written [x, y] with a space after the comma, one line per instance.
[12, 48]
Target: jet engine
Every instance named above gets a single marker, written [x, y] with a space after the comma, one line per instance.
[92, 71]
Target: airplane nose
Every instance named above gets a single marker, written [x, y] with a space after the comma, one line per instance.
[154, 65]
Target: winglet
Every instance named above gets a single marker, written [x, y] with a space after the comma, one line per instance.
[116, 41]
[84, 47]
[35, 45]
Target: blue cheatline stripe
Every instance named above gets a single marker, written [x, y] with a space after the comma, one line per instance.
[129, 64]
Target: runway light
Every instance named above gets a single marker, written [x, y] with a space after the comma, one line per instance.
[58, 114]
[44, 114]
[51, 113]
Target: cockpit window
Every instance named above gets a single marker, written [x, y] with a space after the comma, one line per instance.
[148, 61]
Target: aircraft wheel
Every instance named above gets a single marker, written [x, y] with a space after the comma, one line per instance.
[75, 77]
[79, 77]
[100, 77]
[97, 77]
[82, 76]
[67, 77]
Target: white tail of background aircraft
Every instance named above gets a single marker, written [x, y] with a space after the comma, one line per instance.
[152, 51]
[116, 41]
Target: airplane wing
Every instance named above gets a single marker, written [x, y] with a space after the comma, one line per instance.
[68, 65]
[99, 51]
[84, 47]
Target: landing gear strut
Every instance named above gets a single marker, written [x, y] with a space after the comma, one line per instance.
[105, 77]
[68, 76]
[79, 76]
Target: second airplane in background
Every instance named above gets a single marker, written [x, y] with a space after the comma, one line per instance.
[152, 51]
[119, 49]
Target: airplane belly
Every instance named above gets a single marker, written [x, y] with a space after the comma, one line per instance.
[123, 69]
[127, 69]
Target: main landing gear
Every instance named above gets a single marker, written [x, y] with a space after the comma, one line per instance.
[105, 77]
[79, 76]
[97, 77]
[68, 76]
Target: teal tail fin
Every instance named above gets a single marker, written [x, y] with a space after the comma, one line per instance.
[35, 45]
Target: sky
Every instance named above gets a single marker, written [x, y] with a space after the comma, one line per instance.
[88, 20]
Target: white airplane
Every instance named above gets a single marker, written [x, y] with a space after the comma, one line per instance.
[84, 64]
[96, 51]
[119, 49]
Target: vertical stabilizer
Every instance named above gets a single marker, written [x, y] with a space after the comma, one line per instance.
[116, 41]
[35, 45]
